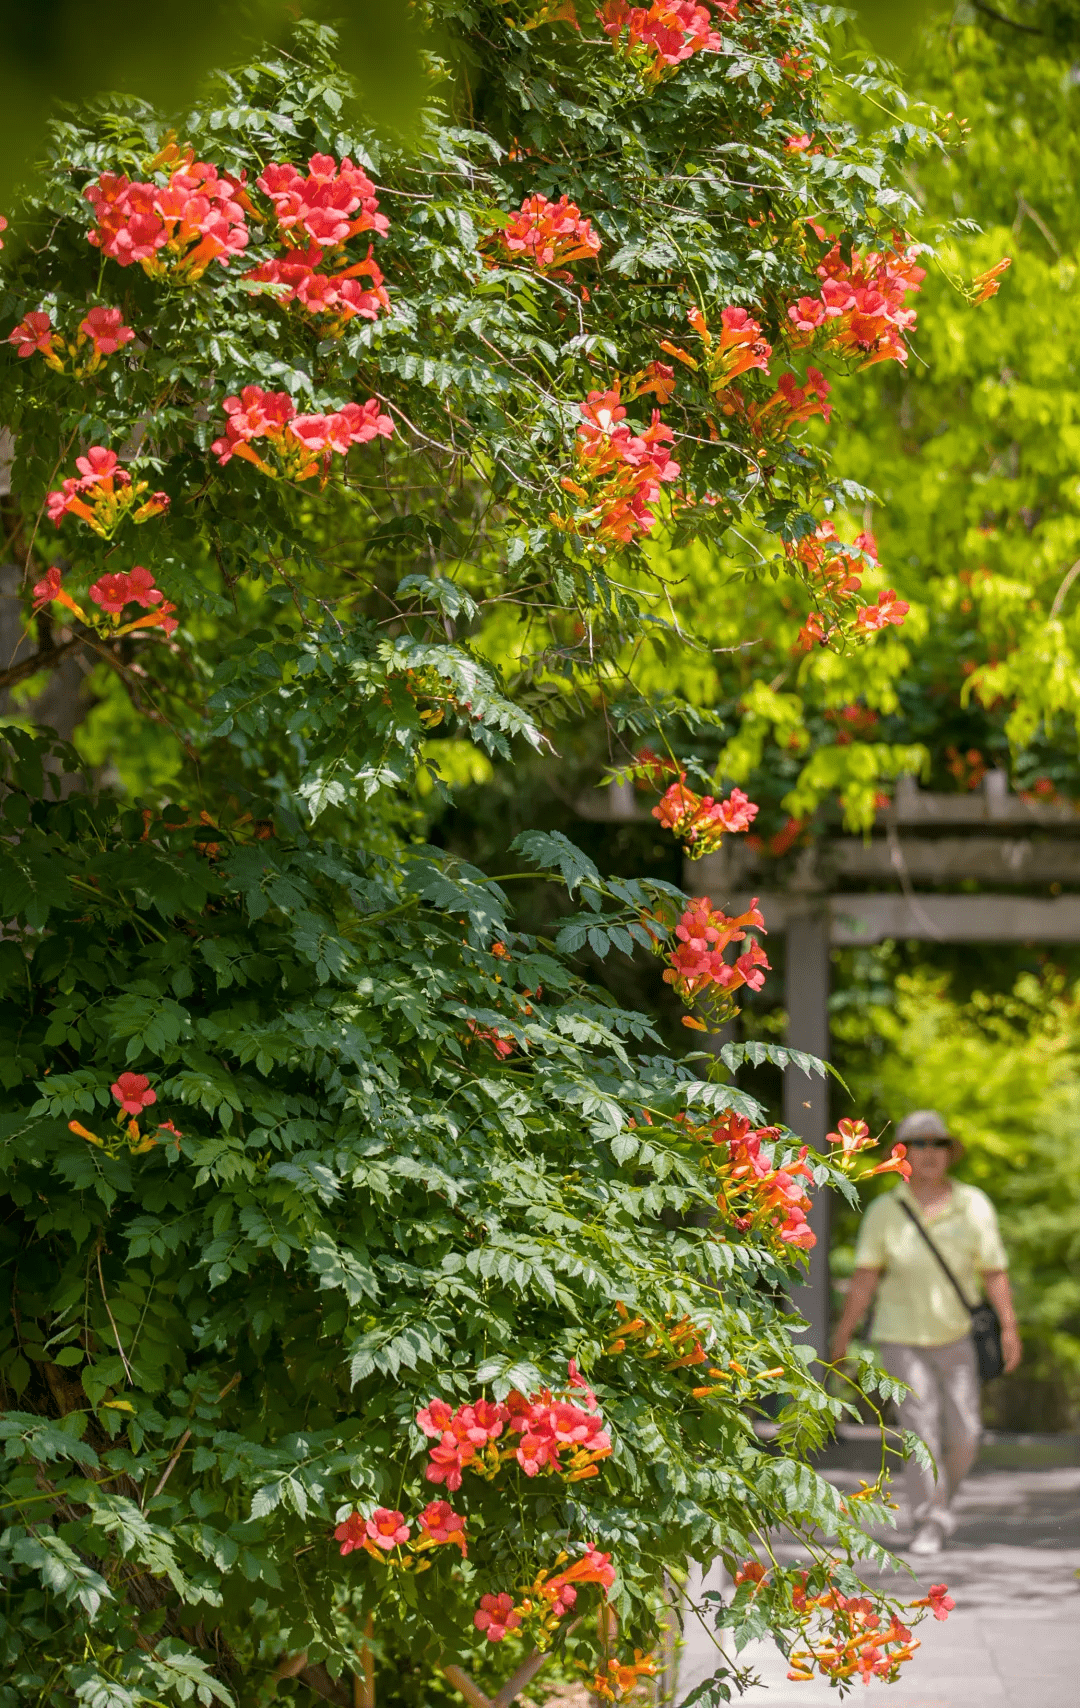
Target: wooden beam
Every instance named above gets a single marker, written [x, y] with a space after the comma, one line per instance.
[940, 861]
[955, 919]
[615, 803]
[936, 862]
[806, 1097]
[856, 918]
[993, 805]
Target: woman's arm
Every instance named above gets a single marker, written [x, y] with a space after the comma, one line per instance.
[863, 1286]
[999, 1293]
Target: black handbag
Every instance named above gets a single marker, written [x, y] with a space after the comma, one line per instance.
[985, 1323]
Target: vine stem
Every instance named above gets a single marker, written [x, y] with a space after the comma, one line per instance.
[48, 659]
[185, 1438]
[1059, 596]
[507, 1692]
[516, 1683]
[363, 1684]
[117, 901]
[112, 1320]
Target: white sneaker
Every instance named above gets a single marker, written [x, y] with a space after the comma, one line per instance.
[929, 1538]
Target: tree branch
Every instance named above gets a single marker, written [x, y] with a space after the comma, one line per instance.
[1000, 18]
[108, 1312]
[318, 1679]
[315, 1677]
[1059, 596]
[467, 1686]
[183, 1441]
[517, 1681]
[514, 1685]
[47, 659]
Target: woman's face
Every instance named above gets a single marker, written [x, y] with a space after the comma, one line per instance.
[929, 1163]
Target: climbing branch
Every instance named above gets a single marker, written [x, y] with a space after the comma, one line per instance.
[46, 659]
[1000, 18]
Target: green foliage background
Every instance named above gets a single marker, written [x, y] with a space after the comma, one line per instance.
[977, 462]
[974, 460]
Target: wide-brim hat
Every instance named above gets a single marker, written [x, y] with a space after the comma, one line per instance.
[928, 1124]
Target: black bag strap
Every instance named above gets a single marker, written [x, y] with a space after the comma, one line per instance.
[909, 1212]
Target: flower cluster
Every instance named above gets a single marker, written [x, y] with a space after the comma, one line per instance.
[829, 567]
[102, 329]
[112, 592]
[333, 202]
[755, 1194]
[621, 1678]
[316, 214]
[700, 821]
[549, 1598]
[790, 404]
[854, 1641]
[549, 234]
[888, 609]
[339, 295]
[986, 285]
[386, 1533]
[683, 1339]
[173, 229]
[844, 1636]
[134, 1094]
[854, 1137]
[546, 1428]
[302, 445]
[620, 472]
[104, 494]
[502, 1043]
[496, 1616]
[860, 310]
[696, 965]
[664, 34]
[738, 349]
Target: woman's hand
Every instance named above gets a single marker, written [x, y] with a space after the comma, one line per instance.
[1012, 1347]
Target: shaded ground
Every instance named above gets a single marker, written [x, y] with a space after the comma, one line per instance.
[1013, 1640]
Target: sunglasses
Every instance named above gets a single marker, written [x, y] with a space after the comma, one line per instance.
[929, 1144]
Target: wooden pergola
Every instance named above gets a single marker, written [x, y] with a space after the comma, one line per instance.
[984, 867]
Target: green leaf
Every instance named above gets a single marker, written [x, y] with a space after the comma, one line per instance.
[542, 849]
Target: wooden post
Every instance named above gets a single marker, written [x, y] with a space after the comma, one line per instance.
[806, 1099]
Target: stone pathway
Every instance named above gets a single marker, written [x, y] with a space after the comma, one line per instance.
[1013, 1640]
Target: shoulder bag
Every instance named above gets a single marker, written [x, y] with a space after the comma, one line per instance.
[985, 1324]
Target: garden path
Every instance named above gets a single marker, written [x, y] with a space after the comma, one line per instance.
[1013, 1640]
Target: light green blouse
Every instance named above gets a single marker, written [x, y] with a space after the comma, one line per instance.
[915, 1303]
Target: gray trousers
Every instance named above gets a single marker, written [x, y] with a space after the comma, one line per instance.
[943, 1409]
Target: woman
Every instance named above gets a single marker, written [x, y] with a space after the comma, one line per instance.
[922, 1329]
